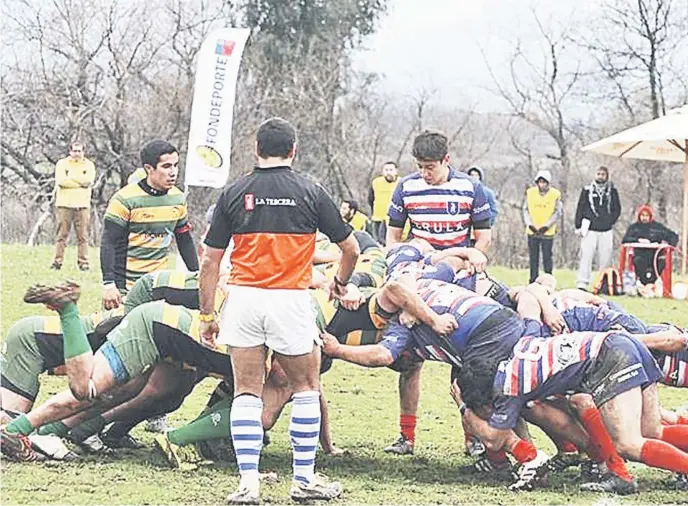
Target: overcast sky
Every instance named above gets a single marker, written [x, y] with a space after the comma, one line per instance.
[439, 43]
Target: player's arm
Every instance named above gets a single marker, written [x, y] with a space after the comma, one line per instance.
[582, 296]
[473, 256]
[550, 315]
[216, 242]
[669, 341]
[397, 296]
[114, 238]
[381, 354]
[185, 244]
[368, 355]
[331, 224]
[397, 217]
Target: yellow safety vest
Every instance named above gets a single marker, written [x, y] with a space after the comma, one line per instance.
[542, 207]
[382, 196]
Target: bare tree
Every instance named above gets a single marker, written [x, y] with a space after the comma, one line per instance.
[539, 94]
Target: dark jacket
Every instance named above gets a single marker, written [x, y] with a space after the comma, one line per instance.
[602, 212]
[652, 231]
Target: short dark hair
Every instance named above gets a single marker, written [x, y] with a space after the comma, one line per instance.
[153, 150]
[75, 143]
[430, 146]
[353, 205]
[476, 380]
[391, 162]
[276, 138]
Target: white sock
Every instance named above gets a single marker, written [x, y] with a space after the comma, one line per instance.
[247, 435]
[304, 432]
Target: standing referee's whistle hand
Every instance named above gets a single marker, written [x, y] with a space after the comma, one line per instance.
[208, 333]
[111, 297]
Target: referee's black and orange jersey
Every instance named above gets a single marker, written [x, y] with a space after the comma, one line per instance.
[273, 215]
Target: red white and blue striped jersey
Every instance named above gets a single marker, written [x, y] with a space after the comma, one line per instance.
[444, 214]
[674, 368]
[539, 368]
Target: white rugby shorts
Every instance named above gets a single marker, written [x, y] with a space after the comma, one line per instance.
[281, 319]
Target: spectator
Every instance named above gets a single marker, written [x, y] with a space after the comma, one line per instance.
[598, 210]
[74, 176]
[478, 174]
[541, 211]
[379, 197]
[351, 215]
[443, 204]
[647, 230]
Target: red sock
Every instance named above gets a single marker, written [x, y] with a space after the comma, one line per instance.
[498, 456]
[524, 451]
[408, 427]
[682, 420]
[568, 447]
[602, 445]
[676, 435]
[657, 453]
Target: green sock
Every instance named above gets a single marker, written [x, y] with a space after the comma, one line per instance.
[214, 425]
[57, 428]
[22, 425]
[88, 428]
[75, 340]
[224, 392]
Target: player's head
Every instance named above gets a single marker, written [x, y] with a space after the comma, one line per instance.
[476, 380]
[430, 149]
[645, 214]
[160, 159]
[76, 150]
[348, 209]
[602, 175]
[548, 281]
[276, 139]
[389, 171]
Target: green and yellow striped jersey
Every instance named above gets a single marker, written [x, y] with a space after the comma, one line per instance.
[372, 263]
[151, 222]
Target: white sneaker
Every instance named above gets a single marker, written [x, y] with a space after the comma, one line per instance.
[53, 447]
[321, 488]
[248, 493]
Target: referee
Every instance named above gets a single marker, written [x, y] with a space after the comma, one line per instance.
[272, 214]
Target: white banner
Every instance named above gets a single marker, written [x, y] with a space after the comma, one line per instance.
[210, 134]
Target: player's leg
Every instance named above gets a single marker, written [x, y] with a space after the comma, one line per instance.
[15, 443]
[622, 416]
[674, 434]
[292, 333]
[77, 349]
[409, 398]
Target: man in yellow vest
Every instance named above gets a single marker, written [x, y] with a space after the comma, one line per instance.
[379, 197]
[74, 176]
[348, 209]
[541, 211]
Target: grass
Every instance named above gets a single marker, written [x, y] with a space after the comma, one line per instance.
[364, 412]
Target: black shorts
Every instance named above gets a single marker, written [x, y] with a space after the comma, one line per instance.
[494, 339]
[623, 363]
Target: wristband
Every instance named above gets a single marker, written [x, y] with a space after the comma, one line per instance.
[338, 282]
[206, 318]
[462, 409]
[109, 284]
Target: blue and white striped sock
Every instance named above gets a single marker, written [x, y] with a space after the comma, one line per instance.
[247, 433]
[304, 432]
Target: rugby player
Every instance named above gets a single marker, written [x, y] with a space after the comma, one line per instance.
[150, 333]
